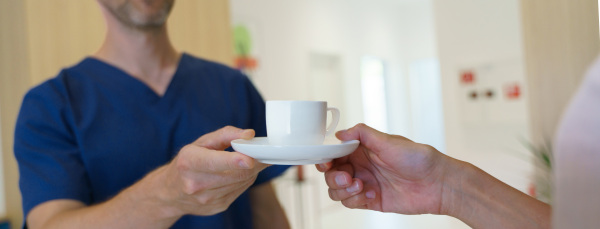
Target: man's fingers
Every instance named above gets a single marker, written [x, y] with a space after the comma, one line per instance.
[227, 187]
[221, 138]
[197, 158]
[260, 166]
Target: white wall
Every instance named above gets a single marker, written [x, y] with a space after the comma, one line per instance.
[487, 36]
[286, 33]
[462, 34]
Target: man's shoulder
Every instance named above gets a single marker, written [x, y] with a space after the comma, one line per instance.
[59, 83]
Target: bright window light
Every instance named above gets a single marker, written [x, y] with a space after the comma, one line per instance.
[426, 103]
[373, 93]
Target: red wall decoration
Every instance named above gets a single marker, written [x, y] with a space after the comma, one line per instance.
[467, 77]
[512, 91]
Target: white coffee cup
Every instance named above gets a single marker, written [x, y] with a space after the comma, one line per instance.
[296, 122]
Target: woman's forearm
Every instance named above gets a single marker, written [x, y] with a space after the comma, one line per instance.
[482, 201]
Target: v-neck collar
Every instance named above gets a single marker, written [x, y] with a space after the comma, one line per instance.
[171, 88]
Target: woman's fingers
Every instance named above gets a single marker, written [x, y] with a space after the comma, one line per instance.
[338, 194]
[360, 200]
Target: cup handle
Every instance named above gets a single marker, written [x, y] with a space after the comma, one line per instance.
[335, 118]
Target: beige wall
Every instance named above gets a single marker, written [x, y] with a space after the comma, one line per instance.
[560, 41]
[37, 38]
[61, 32]
[14, 79]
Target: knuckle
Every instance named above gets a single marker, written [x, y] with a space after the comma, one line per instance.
[187, 151]
[347, 204]
[428, 148]
[229, 128]
[190, 187]
[193, 186]
[332, 194]
[182, 165]
[208, 141]
[328, 176]
[330, 179]
[320, 167]
[204, 199]
[329, 182]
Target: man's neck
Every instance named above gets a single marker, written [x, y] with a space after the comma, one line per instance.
[146, 55]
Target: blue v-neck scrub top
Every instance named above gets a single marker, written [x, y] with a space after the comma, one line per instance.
[94, 130]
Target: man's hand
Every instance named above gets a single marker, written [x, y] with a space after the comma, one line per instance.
[386, 173]
[204, 180]
[201, 180]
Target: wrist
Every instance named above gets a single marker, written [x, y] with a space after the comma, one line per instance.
[482, 201]
[456, 178]
[154, 196]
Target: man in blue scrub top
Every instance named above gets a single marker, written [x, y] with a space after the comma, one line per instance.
[133, 137]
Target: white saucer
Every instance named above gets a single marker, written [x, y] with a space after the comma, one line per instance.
[260, 149]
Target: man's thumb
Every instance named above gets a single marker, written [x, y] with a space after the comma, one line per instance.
[221, 138]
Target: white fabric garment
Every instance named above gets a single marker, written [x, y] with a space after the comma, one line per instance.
[577, 154]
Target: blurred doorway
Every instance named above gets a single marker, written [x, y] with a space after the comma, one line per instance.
[327, 82]
[426, 103]
[374, 96]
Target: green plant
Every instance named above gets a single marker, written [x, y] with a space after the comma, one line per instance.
[542, 177]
